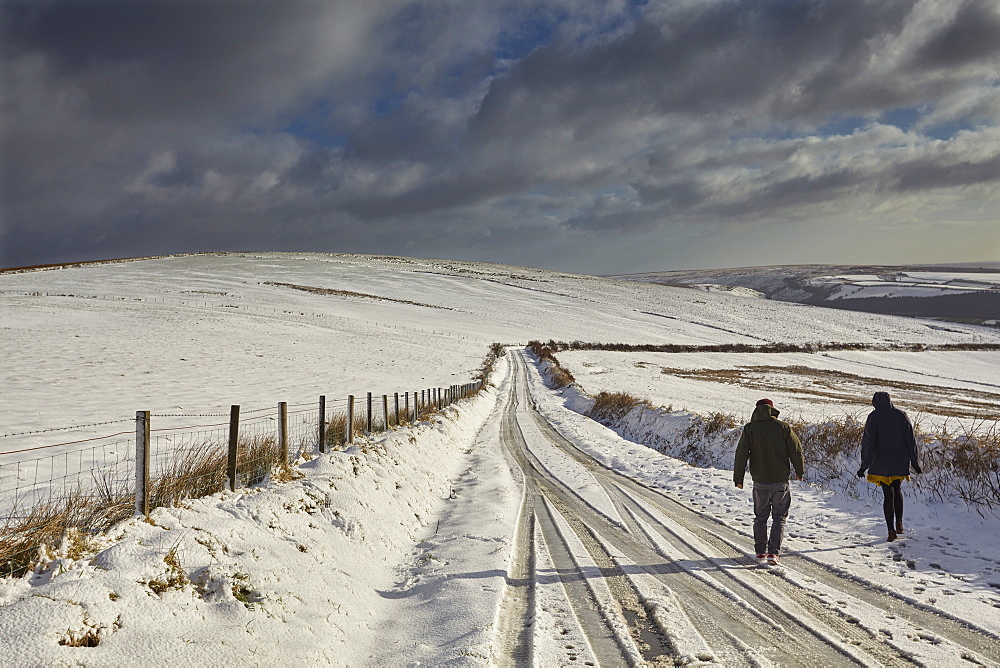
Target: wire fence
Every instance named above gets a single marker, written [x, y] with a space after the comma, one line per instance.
[90, 484]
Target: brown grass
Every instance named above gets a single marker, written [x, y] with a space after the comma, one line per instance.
[63, 520]
[194, 471]
[336, 428]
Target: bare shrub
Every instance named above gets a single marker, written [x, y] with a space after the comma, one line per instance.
[558, 375]
[831, 448]
[496, 351]
[557, 346]
[963, 464]
[707, 440]
[611, 407]
[715, 422]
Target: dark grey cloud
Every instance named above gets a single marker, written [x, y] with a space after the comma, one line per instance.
[971, 36]
[477, 128]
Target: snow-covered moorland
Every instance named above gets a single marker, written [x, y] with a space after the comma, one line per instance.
[398, 550]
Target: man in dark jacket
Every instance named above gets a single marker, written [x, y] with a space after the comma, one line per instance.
[769, 445]
[888, 451]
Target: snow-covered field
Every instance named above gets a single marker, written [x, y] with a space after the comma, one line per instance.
[396, 552]
[937, 388]
[908, 284]
[197, 334]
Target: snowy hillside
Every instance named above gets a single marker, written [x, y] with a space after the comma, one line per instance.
[198, 333]
[461, 540]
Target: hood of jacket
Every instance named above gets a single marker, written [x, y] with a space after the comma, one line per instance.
[881, 400]
[764, 412]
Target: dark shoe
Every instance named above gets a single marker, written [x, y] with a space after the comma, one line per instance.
[899, 526]
[892, 536]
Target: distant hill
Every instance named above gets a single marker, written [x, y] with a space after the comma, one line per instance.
[964, 292]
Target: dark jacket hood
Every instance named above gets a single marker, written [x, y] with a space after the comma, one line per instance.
[881, 400]
[764, 412]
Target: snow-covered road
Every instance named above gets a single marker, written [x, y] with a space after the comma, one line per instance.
[627, 574]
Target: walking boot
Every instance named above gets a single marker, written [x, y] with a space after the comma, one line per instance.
[899, 526]
[892, 536]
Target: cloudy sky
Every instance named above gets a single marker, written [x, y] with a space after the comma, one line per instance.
[600, 137]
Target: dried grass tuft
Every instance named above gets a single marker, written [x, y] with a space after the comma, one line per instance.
[194, 471]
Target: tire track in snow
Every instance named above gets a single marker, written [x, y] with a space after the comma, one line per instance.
[518, 610]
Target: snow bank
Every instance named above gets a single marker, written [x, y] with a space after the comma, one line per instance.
[290, 574]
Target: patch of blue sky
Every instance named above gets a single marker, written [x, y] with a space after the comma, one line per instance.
[843, 125]
[946, 131]
[540, 27]
[534, 29]
[313, 125]
[389, 101]
[903, 118]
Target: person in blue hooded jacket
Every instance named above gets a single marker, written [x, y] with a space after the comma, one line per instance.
[888, 452]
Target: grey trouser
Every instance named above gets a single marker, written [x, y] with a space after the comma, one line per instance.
[774, 499]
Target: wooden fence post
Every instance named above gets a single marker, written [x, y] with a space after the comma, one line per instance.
[368, 430]
[396, 395]
[350, 419]
[142, 463]
[234, 437]
[322, 423]
[283, 431]
[385, 412]
[406, 406]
